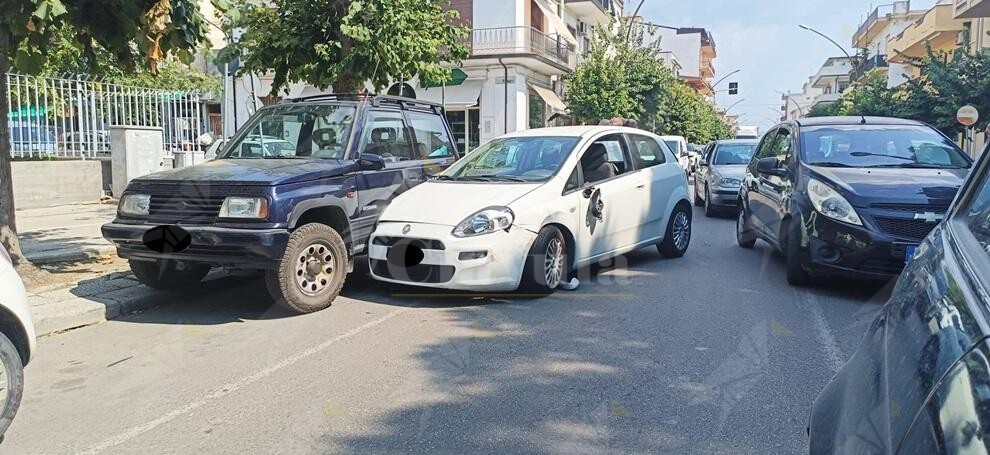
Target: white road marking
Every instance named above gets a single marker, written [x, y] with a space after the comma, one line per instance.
[234, 386]
[833, 354]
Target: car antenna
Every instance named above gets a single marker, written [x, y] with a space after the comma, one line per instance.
[862, 119]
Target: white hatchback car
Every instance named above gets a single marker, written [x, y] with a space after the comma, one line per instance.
[17, 341]
[524, 210]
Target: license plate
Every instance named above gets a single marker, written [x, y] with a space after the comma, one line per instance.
[909, 252]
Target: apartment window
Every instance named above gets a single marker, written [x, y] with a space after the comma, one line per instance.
[466, 127]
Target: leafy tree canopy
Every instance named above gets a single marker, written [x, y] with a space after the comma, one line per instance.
[343, 43]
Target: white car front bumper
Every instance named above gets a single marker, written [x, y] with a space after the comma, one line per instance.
[443, 266]
[14, 299]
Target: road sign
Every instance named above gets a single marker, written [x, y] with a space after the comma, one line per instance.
[967, 115]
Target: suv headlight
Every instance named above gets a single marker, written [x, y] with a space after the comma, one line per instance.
[486, 221]
[134, 205]
[244, 207]
[729, 182]
[830, 203]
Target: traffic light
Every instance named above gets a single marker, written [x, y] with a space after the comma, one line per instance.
[733, 88]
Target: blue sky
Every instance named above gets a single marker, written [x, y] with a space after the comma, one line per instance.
[762, 38]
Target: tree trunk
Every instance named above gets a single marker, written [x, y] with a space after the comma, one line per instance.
[8, 224]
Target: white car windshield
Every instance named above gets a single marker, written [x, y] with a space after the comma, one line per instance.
[518, 159]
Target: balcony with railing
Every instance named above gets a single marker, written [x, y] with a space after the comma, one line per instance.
[595, 12]
[971, 9]
[866, 65]
[522, 42]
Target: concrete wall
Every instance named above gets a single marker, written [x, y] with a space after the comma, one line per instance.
[47, 183]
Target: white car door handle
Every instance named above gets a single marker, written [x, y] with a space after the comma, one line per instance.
[640, 186]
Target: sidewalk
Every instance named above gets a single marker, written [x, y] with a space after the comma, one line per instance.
[86, 283]
[64, 233]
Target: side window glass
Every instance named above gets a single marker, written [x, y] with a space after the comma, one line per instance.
[573, 181]
[783, 145]
[977, 215]
[604, 159]
[385, 135]
[764, 150]
[432, 138]
[646, 152]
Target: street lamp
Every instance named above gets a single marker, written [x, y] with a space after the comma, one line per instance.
[829, 40]
[725, 77]
[788, 98]
[733, 105]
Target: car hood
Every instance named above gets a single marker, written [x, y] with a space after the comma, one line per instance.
[449, 203]
[731, 171]
[253, 171]
[863, 186]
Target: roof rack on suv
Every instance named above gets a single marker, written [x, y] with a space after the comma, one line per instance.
[376, 100]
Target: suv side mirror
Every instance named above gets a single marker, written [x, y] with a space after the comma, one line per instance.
[770, 166]
[371, 162]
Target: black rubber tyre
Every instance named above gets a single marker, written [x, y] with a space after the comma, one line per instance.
[709, 208]
[538, 277]
[312, 270]
[796, 275]
[744, 234]
[168, 274]
[678, 236]
[13, 369]
[697, 200]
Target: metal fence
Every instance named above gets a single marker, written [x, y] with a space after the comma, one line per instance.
[71, 117]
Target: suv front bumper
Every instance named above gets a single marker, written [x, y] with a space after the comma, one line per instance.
[219, 246]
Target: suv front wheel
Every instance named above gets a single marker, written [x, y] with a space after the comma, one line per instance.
[312, 270]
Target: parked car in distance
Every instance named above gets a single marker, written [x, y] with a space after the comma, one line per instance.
[524, 210]
[679, 145]
[720, 171]
[17, 340]
[920, 380]
[94, 141]
[28, 137]
[848, 195]
[295, 194]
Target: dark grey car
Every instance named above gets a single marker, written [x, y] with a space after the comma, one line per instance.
[720, 170]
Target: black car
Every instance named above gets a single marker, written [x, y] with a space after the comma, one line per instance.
[848, 195]
[920, 380]
[295, 195]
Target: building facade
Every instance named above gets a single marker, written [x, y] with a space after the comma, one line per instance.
[937, 28]
[830, 81]
[692, 51]
[873, 35]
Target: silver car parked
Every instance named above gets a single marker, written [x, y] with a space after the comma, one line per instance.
[720, 171]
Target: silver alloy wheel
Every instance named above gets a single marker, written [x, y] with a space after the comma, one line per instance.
[553, 264]
[314, 268]
[682, 230]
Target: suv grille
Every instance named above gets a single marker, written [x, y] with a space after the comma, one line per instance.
[185, 209]
[905, 228]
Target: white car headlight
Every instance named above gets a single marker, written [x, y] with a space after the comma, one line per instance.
[244, 207]
[135, 205]
[486, 221]
[728, 182]
[830, 203]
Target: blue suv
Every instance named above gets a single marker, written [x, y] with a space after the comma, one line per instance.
[296, 194]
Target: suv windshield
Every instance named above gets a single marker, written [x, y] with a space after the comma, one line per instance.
[734, 154]
[295, 131]
[880, 146]
[526, 159]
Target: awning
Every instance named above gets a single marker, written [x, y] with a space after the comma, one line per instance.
[549, 97]
[455, 96]
[557, 23]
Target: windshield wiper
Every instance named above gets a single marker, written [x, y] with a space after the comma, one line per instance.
[443, 177]
[881, 155]
[830, 164]
[919, 166]
[490, 177]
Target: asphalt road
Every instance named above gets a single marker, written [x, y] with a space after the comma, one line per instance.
[710, 353]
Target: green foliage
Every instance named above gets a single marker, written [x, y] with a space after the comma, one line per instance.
[948, 82]
[129, 31]
[343, 43]
[623, 77]
[67, 57]
[825, 110]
